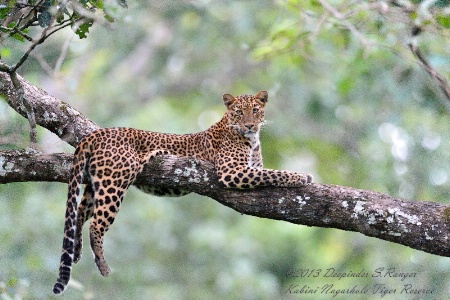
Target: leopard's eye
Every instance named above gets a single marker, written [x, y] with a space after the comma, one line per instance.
[255, 110]
[239, 112]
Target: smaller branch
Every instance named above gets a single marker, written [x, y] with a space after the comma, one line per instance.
[12, 31]
[21, 100]
[367, 43]
[17, 30]
[30, 20]
[37, 5]
[439, 78]
[89, 14]
[4, 67]
[33, 45]
[405, 5]
[43, 37]
[380, 6]
[322, 19]
[44, 64]
[25, 15]
[25, 36]
[47, 32]
[63, 53]
[18, 99]
[19, 21]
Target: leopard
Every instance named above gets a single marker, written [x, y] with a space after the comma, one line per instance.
[111, 158]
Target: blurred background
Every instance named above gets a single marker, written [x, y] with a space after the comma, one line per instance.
[352, 111]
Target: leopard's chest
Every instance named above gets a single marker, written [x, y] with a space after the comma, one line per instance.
[255, 157]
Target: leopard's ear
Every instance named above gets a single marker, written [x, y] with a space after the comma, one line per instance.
[262, 96]
[228, 100]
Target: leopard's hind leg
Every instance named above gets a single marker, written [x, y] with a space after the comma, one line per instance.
[108, 195]
[85, 212]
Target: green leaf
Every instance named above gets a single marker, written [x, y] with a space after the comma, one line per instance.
[18, 37]
[60, 14]
[83, 29]
[15, 36]
[5, 52]
[4, 11]
[98, 3]
[109, 18]
[444, 21]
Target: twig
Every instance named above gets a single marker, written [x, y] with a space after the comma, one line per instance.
[4, 67]
[63, 53]
[44, 64]
[48, 31]
[33, 45]
[367, 43]
[29, 108]
[15, 30]
[20, 99]
[439, 78]
[89, 15]
[319, 26]
[30, 20]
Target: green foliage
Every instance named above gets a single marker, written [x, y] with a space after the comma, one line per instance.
[444, 21]
[5, 9]
[362, 116]
[83, 29]
[18, 18]
[5, 52]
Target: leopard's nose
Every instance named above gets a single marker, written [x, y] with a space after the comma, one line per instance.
[249, 125]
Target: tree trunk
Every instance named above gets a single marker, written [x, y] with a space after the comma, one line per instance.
[420, 225]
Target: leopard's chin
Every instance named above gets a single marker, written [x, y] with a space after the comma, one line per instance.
[249, 134]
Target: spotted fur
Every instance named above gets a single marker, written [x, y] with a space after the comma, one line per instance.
[113, 157]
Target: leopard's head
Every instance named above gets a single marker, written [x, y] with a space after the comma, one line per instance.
[246, 112]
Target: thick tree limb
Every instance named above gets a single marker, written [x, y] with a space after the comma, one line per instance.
[420, 225]
[51, 113]
[25, 165]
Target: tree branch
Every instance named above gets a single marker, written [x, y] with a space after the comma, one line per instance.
[328, 7]
[420, 225]
[423, 226]
[51, 113]
[435, 75]
[22, 101]
[17, 99]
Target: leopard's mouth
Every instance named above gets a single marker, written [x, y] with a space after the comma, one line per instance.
[244, 131]
[248, 132]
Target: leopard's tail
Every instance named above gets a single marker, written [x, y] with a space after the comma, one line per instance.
[80, 162]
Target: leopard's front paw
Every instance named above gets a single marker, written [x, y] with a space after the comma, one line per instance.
[303, 179]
